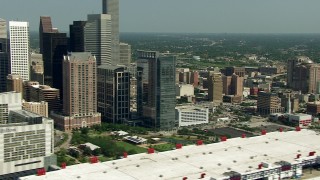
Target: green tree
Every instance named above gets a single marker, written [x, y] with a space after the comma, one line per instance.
[96, 152]
[87, 151]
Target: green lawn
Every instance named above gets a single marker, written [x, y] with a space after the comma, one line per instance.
[164, 147]
[128, 147]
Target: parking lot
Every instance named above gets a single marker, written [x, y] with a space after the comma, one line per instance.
[230, 132]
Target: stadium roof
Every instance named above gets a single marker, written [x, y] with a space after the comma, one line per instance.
[241, 155]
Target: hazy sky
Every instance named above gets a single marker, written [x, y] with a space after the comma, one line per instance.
[208, 16]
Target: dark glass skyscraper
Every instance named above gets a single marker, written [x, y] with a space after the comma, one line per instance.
[53, 46]
[44, 27]
[159, 111]
[4, 58]
[76, 31]
[114, 93]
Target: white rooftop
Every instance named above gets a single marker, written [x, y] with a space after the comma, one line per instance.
[239, 154]
[91, 146]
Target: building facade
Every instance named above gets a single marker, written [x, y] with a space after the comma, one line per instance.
[97, 37]
[125, 54]
[159, 109]
[268, 103]
[36, 69]
[33, 92]
[240, 71]
[301, 120]
[190, 115]
[79, 92]
[184, 90]
[40, 108]
[19, 49]
[15, 83]
[313, 108]
[215, 88]
[4, 56]
[111, 7]
[114, 93]
[55, 46]
[45, 26]
[76, 31]
[303, 75]
[27, 145]
[9, 101]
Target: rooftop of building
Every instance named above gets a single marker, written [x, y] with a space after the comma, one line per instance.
[26, 114]
[112, 67]
[9, 92]
[191, 108]
[44, 87]
[315, 103]
[35, 103]
[241, 155]
[80, 56]
[91, 146]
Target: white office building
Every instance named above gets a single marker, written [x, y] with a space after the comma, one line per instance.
[97, 37]
[9, 101]
[26, 144]
[191, 115]
[19, 49]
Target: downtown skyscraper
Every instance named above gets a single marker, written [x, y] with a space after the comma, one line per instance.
[4, 56]
[53, 46]
[79, 92]
[97, 37]
[159, 110]
[19, 49]
[111, 7]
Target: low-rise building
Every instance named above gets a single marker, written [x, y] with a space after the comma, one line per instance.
[268, 103]
[135, 139]
[40, 108]
[301, 120]
[313, 108]
[191, 115]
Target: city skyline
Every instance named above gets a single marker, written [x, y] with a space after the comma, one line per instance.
[208, 16]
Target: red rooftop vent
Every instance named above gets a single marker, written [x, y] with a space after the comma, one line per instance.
[184, 178]
[260, 166]
[178, 146]
[202, 175]
[199, 142]
[264, 132]
[298, 128]
[298, 156]
[243, 135]
[125, 154]
[223, 138]
[93, 160]
[280, 129]
[41, 172]
[63, 165]
[150, 151]
[312, 153]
